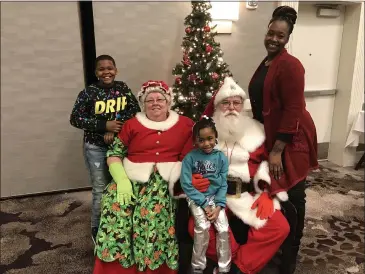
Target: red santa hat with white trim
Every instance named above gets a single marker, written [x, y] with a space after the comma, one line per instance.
[154, 86]
[229, 88]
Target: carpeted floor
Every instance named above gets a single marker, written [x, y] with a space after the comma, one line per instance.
[50, 234]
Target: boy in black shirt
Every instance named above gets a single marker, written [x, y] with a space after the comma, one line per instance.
[100, 110]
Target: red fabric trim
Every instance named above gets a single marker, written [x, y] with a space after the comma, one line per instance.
[101, 267]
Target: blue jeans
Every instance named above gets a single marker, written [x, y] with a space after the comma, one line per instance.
[95, 160]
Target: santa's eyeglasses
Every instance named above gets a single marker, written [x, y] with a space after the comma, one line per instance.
[227, 104]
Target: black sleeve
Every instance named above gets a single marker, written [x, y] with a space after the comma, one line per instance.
[82, 116]
[285, 137]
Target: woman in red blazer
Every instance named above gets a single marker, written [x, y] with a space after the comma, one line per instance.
[276, 93]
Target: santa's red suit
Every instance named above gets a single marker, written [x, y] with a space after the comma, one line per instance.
[247, 156]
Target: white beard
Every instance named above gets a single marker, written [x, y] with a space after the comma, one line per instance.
[230, 128]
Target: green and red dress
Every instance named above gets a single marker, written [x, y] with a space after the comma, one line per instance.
[140, 238]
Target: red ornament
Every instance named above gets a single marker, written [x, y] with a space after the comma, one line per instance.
[192, 77]
[187, 62]
[207, 29]
[178, 80]
[201, 82]
[208, 48]
[215, 76]
[188, 30]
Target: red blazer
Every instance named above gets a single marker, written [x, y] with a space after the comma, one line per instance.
[284, 111]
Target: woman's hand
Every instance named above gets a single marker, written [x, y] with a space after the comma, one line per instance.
[213, 214]
[200, 183]
[109, 138]
[275, 161]
[276, 165]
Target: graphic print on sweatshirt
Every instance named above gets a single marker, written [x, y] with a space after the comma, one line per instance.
[205, 167]
[95, 105]
[111, 105]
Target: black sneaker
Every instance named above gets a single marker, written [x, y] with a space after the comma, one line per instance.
[94, 232]
[235, 269]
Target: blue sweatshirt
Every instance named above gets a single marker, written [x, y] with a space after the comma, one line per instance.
[213, 166]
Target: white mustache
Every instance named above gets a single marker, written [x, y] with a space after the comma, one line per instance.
[230, 112]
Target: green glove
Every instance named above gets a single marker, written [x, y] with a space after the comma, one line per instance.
[124, 186]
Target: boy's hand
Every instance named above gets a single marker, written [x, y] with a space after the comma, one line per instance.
[213, 215]
[109, 138]
[113, 126]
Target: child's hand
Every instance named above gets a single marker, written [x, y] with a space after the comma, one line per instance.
[114, 126]
[109, 138]
[213, 215]
[208, 210]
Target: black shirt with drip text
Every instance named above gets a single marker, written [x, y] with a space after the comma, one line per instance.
[96, 105]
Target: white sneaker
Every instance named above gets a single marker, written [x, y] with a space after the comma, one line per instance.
[216, 271]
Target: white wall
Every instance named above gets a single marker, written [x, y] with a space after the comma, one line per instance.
[321, 110]
[350, 85]
[41, 75]
[317, 44]
[143, 37]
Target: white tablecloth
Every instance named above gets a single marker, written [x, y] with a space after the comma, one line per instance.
[356, 130]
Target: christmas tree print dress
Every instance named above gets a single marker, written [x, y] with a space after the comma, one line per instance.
[143, 234]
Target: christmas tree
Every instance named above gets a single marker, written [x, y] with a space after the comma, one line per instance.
[202, 70]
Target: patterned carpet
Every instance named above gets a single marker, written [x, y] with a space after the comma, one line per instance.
[50, 234]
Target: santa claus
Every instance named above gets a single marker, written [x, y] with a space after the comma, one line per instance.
[253, 196]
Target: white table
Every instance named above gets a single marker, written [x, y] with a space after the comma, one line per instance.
[356, 131]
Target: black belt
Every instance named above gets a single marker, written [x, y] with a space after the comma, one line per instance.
[236, 186]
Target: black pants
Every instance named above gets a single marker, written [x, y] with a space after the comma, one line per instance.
[297, 198]
[185, 242]
[291, 245]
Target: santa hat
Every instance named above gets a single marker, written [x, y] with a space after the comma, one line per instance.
[154, 86]
[228, 89]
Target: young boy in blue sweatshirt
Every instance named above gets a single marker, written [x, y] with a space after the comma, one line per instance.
[100, 110]
[207, 207]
